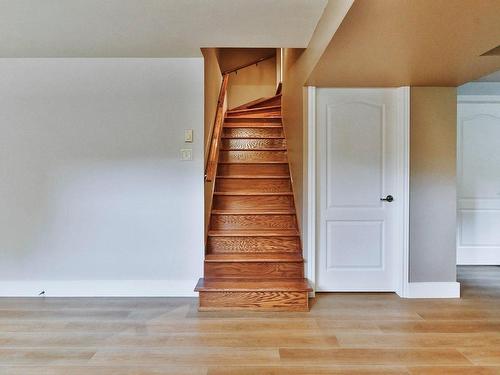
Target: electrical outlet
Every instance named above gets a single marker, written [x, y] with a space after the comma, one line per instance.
[188, 135]
[186, 154]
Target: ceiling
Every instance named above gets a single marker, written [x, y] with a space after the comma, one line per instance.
[419, 43]
[151, 28]
[493, 77]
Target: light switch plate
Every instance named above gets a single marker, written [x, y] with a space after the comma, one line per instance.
[186, 154]
[188, 135]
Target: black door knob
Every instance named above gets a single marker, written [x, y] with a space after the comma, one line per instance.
[389, 198]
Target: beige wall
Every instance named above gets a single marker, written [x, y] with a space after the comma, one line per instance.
[433, 184]
[297, 66]
[252, 83]
[212, 81]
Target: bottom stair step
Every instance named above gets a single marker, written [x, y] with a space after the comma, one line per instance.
[259, 295]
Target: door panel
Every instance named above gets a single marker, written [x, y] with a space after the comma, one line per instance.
[357, 166]
[354, 161]
[478, 164]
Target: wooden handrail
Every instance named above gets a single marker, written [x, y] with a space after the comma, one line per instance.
[229, 71]
[211, 166]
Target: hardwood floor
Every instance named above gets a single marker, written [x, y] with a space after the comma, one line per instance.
[342, 334]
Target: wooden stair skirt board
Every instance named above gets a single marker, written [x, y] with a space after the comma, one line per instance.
[253, 256]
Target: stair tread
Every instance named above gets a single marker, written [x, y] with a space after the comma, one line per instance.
[252, 117]
[254, 233]
[252, 162]
[254, 257]
[251, 125]
[246, 137]
[255, 149]
[253, 212]
[250, 193]
[263, 285]
[250, 176]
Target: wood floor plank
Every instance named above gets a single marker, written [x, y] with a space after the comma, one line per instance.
[186, 356]
[309, 370]
[418, 340]
[393, 356]
[103, 370]
[344, 333]
[454, 370]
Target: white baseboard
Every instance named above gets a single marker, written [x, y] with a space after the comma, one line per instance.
[99, 288]
[433, 290]
[478, 256]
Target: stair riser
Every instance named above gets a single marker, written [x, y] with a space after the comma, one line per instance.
[253, 169]
[252, 132]
[252, 156]
[253, 119]
[220, 245]
[255, 112]
[251, 144]
[261, 301]
[253, 185]
[234, 202]
[251, 222]
[254, 270]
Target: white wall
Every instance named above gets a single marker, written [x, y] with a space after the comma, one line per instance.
[479, 88]
[94, 199]
[478, 162]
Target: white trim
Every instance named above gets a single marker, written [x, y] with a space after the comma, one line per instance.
[310, 186]
[433, 290]
[404, 169]
[478, 98]
[402, 288]
[99, 288]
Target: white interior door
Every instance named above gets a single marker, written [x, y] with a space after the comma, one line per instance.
[478, 164]
[358, 158]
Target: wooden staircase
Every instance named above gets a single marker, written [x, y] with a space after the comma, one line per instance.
[253, 258]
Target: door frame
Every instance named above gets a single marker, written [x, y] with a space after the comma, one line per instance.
[311, 211]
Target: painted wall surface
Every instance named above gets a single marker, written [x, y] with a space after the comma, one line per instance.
[479, 88]
[94, 197]
[297, 66]
[433, 184]
[253, 82]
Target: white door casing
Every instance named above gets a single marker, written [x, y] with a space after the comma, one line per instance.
[478, 178]
[360, 159]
